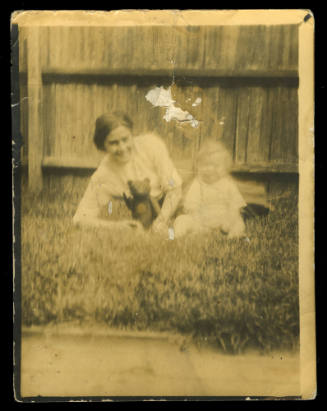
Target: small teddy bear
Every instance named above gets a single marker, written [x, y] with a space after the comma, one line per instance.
[144, 208]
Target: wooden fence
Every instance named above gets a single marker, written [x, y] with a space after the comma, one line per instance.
[246, 76]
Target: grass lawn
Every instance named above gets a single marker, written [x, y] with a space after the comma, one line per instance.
[235, 294]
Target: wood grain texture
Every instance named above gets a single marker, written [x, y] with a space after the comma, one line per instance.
[255, 123]
[227, 113]
[267, 123]
[223, 47]
[86, 72]
[255, 120]
[242, 125]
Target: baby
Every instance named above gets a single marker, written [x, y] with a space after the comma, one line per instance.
[213, 200]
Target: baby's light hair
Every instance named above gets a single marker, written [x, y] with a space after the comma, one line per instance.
[215, 152]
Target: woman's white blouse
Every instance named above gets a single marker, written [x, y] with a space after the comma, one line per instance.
[150, 159]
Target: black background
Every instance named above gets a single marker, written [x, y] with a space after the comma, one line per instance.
[6, 386]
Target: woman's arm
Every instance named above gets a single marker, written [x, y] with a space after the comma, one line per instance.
[97, 222]
[170, 181]
[170, 204]
[88, 211]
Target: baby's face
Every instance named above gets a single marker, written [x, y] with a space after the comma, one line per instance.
[209, 172]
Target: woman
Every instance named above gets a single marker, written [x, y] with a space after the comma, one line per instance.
[128, 158]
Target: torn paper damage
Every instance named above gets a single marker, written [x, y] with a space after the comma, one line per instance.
[161, 97]
[197, 102]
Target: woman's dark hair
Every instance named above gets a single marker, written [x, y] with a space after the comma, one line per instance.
[108, 122]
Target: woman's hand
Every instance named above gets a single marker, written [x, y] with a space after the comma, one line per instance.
[134, 225]
[159, 226]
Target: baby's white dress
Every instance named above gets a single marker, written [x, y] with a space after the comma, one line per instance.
[212, 206]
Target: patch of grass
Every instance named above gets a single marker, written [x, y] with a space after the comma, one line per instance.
[234, 294]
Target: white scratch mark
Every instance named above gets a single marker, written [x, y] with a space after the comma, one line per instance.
[171, 233]
[197, 102]
[161, 97]
[110, 208]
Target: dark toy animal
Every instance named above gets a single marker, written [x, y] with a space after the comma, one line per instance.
[144, 208]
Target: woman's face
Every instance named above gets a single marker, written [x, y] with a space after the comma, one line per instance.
[119, 144]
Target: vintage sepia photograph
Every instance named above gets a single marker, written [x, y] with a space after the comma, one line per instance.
[163, 204]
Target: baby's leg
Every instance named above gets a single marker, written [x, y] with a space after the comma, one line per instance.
[234, 226]
[183, 224]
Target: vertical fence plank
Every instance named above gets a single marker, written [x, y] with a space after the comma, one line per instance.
[55, 46]
[276, 146]
[199, 113]
[193, 40]
[294, 47]
[215, 46]
[268, 122]
[244, 48]
[65, 47]
[267, 49]
[230, 38]
[46, 118]
[144, 106]
[280, 43]
[227, 109]
[57, 136]
[287, 149]
[286, 38]
[35, 132]
[287, 135]
[68, 125]
[259, 48]
[51, 109]
[210, 106]
[292, 124]
[242, 119]
[254, 130]
[182, 47]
